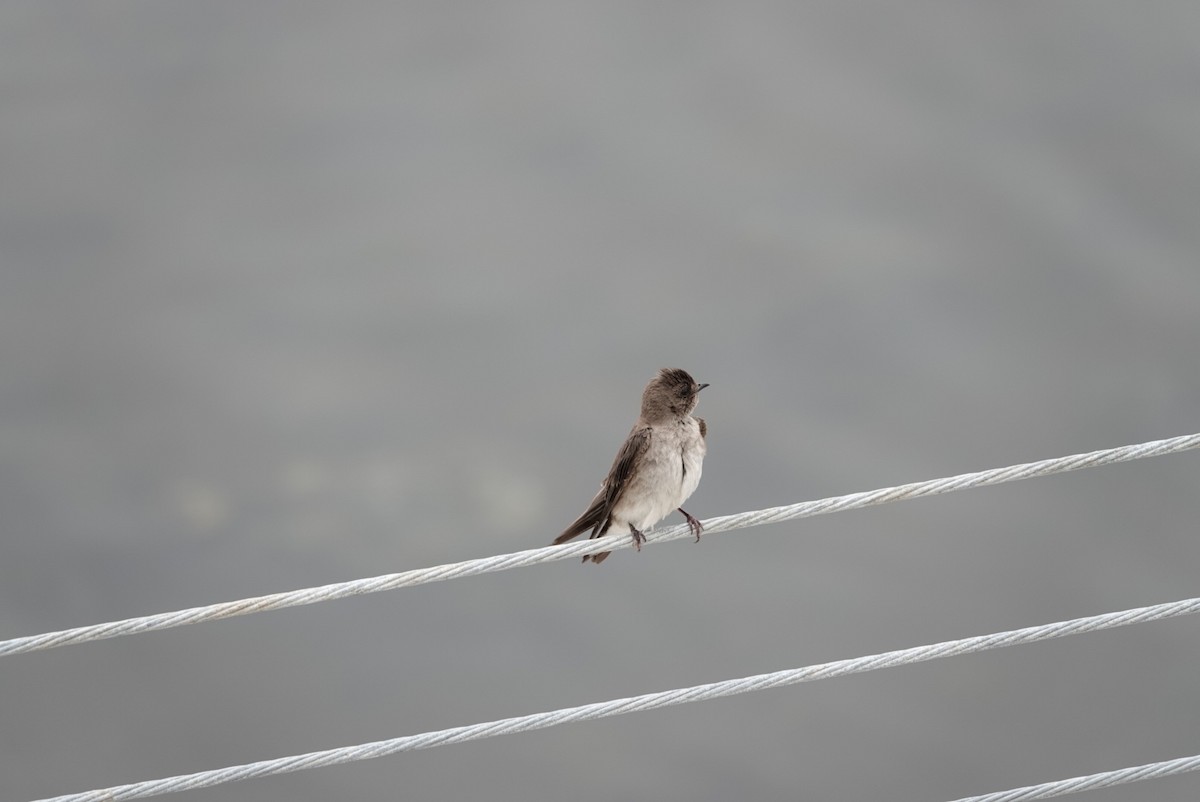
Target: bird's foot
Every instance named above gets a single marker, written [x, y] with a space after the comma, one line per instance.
[693, 523]
[638, 538]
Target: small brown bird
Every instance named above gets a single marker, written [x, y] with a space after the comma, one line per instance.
[657, 468]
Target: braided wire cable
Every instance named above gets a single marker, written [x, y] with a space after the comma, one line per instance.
[1104, 779]
[520, 559]
[649, 701]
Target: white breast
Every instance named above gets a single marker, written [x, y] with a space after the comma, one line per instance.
[669, 473]
[692, 450]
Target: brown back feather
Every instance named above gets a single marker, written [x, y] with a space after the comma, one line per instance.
[598, 516]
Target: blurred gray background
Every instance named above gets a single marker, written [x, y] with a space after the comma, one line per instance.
[299, 293]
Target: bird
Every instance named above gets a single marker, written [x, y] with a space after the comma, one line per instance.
[655, 471]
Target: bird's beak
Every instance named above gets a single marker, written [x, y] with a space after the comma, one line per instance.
[701, 387]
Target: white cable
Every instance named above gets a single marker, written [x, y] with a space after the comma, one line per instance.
[341, 590]
[1150, 771]
[649, 701]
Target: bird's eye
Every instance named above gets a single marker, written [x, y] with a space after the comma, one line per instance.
[684, 392]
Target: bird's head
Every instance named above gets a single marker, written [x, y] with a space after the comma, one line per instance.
[672, 393]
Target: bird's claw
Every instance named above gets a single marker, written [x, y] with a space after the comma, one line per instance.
[638, 538]
[693, 524]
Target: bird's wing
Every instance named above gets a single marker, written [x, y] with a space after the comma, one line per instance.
[597, 513]
[703, 428]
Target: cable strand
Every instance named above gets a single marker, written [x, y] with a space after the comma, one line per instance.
[521, 559]
[649, 701]
[1104, 779]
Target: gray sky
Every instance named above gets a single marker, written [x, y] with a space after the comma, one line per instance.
[295, 294]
